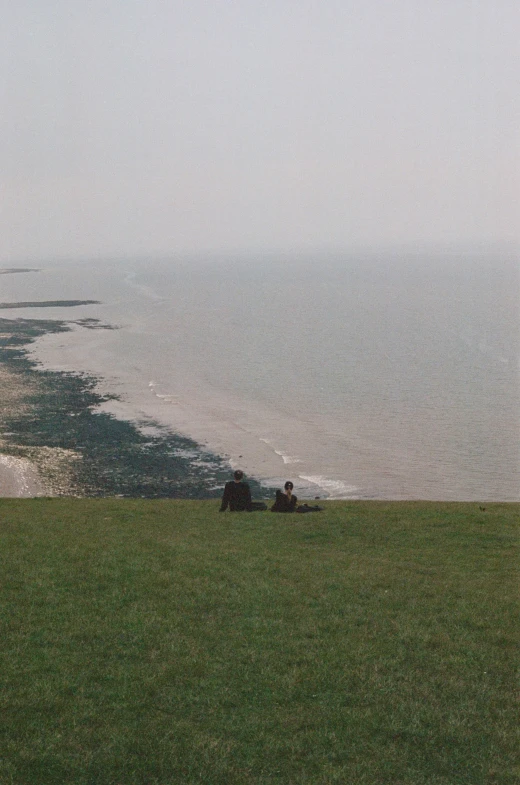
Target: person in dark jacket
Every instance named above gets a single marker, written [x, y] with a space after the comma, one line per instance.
[285, 502]
[237, 494]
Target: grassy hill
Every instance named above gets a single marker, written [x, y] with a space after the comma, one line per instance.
[157, 642]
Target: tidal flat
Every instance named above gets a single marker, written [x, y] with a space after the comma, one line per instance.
[52, 419]
[48, 304]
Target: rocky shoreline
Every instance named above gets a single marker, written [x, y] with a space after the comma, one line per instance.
[19, 478]
[26, 470]
[56, 441]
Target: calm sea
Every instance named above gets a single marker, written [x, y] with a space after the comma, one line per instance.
[393, 377]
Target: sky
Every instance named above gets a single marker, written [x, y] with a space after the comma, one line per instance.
[134, 127]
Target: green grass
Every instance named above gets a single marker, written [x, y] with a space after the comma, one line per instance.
[160, 642]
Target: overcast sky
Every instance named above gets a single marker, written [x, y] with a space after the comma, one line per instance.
[155, 126]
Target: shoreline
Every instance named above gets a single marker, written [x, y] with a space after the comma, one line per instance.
[207, 425]
[19, 478]
[219, 425]
[56, 439]
[149, 404]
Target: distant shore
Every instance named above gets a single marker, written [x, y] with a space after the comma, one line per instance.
[55, 440]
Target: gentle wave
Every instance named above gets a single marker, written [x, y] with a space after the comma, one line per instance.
[415, 397]
[335, 489]
[147, 291]
[287, 459]
[162, 396]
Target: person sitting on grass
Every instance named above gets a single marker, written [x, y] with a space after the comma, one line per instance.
[237, 495]
[285, 502]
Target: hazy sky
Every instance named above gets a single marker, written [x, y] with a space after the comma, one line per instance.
[157, 126]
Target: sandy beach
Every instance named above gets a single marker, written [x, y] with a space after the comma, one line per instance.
[55, 440]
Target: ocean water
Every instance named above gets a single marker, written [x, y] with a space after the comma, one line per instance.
[389, 377]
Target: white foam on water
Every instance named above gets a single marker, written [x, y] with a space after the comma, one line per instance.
[335, 489]
[287, 459]
[166, 397]
[273, 404]
[147, 291]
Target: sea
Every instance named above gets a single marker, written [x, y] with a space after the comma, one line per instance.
[388, 375]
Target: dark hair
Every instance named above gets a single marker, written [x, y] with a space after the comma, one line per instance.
[288, 485]
[238, 475]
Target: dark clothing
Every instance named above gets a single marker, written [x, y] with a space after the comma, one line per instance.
[283, 503]
[238, 496]
[258, 506]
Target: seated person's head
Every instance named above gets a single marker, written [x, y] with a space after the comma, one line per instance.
[288, 486]
[238, 475]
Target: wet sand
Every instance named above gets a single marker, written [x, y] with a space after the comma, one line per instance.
[19, 478]
[55, 439]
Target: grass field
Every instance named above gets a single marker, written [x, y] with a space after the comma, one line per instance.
[160, 642]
